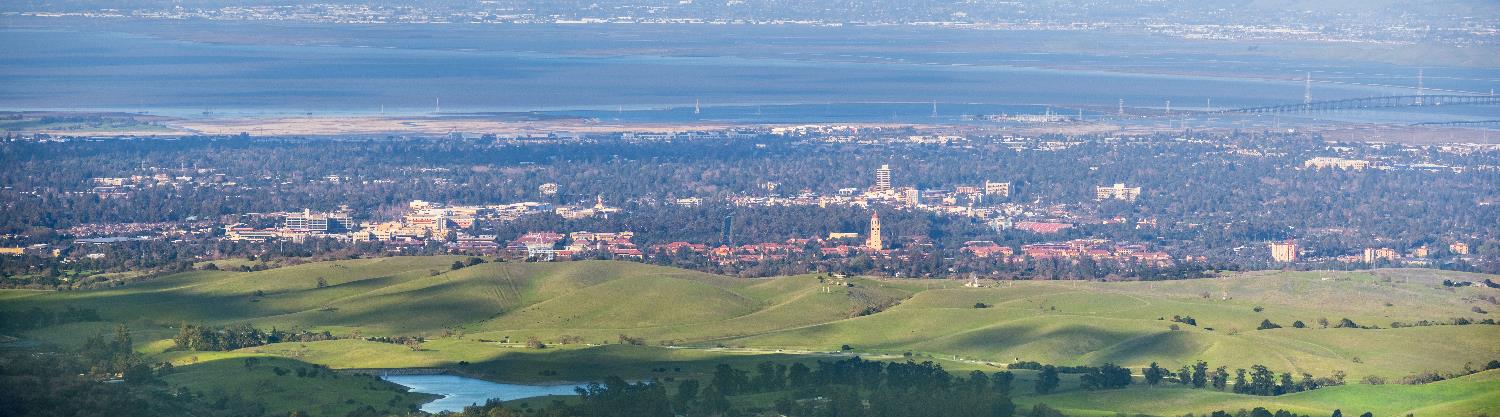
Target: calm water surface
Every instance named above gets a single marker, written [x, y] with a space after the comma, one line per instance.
[459, 392]
[648, 73]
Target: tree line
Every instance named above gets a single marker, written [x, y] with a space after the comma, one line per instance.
[851, 387]
[1258, 380]
[195, 337]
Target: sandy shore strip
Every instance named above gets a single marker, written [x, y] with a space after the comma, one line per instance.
[372, 125]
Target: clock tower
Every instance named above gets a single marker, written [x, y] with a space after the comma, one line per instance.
[874, 242]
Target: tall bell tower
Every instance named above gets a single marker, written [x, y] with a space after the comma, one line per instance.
[874, 242]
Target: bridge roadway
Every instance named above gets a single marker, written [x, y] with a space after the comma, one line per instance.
[1431, 100]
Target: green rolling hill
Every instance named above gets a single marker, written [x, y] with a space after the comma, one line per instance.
[468, 314]
[1471, 395]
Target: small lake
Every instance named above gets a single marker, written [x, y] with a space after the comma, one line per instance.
[459, 392]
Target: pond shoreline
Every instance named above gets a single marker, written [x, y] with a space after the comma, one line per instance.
[395, 371]
[455, 392]
[379, 372]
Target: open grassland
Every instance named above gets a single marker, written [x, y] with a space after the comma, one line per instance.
[12, 295]
[73, 335]
[1071, 322]
[282, 386]
[1063, 322]
[420, 296]
[477, 318]
[1472, 395]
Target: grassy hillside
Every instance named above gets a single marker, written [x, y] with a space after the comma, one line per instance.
[1129, 323]
[420, 296]
[322, 393]
[222, 297]
[1472, 395]
[1066, 322]
[475, 318]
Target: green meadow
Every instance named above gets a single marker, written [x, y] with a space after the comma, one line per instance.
[276, 384]
[476, 320]
[1472, 395]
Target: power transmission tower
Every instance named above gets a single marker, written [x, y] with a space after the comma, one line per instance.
[1307, 89]
[1421, 89]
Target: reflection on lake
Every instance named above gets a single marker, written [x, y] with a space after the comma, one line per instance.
[459, 392]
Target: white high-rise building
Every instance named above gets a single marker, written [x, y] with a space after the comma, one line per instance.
[883, 178]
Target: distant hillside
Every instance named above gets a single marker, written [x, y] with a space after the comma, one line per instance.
[1065, 322]
[475, 318]
[421, 295]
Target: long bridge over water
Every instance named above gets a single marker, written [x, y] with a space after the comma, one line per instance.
[1461, 123]
[1430, 100]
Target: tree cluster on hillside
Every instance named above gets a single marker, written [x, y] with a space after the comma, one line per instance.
[60, 385]
[103, 377]
[849, 387]
[1257, 412]
[1259, 380]
[1062, 369]
[210, 338]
